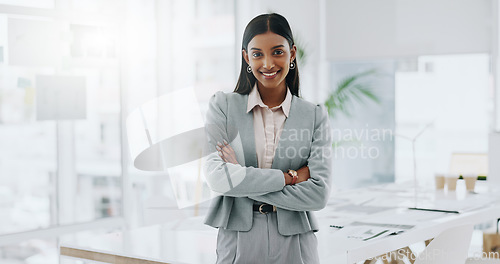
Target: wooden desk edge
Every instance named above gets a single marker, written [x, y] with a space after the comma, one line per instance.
[104, 257]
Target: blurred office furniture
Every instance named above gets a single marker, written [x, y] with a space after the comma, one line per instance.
[383, 208]
[469, 163]
[491, 247]
[468, 167]
[450, 246]
[399, 256]
[380, 211]
[179, 241]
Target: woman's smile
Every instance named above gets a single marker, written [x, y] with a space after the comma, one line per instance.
[270, 75]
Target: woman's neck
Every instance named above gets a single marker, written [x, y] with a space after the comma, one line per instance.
[272, 96]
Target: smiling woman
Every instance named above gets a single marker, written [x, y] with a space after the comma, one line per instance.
[270, 64]
[268, 187]
[268, 50]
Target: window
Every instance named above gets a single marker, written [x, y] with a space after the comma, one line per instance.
[60, 110]
[450, 96]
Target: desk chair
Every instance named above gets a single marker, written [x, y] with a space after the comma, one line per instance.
[450, 246]
[394, 257]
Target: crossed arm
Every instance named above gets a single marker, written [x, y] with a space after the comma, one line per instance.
[227, 154]
[225, 175]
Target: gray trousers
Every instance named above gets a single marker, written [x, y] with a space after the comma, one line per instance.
[263, 244]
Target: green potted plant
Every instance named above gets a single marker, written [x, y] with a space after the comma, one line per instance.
[350, 89]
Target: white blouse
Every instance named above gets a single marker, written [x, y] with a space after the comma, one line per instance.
[268, 124]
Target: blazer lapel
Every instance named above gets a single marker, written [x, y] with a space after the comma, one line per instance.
[246, 130]
[290, 122]
[247, 133]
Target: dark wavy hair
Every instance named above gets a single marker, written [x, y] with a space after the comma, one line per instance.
[261, 24]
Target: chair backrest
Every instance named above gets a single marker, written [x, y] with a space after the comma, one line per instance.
[449, 247]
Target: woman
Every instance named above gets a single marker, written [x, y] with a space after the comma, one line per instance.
[269, 155]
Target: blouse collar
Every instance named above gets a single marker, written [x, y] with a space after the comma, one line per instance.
[254, 99]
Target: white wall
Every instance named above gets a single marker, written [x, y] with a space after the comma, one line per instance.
[495, 62]
[361, 29]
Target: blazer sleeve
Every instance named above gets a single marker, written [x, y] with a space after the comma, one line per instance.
[313, 194]
[232, 179]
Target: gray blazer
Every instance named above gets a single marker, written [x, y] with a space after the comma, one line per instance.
[305, 140]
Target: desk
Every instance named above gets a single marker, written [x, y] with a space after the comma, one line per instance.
[183, 241]
[336, 248]
[189, 241]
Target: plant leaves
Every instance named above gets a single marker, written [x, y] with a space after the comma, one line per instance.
[348, 90]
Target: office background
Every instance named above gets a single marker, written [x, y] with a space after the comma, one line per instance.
[72, 71]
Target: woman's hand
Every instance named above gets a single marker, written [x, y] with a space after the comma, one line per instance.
[226, 152]
[303, 174]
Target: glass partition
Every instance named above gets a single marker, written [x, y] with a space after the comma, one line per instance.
[60, 152]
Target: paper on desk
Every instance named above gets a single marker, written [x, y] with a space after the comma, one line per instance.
[368, 231]
[415, 216]
[362, 208]
[384, 225]
[466, 205]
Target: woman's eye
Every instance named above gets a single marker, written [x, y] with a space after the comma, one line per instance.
[278, 52]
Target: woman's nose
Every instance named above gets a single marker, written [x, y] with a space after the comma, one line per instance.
[268, 63]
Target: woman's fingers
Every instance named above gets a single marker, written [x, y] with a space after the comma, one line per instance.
[229, 150]
[226, 152]
[219, 151]
[226, 148]
[222, 156]
[229, 155]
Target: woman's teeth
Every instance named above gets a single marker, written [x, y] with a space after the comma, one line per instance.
[270, 74]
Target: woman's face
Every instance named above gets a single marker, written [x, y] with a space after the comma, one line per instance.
[269, 55]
